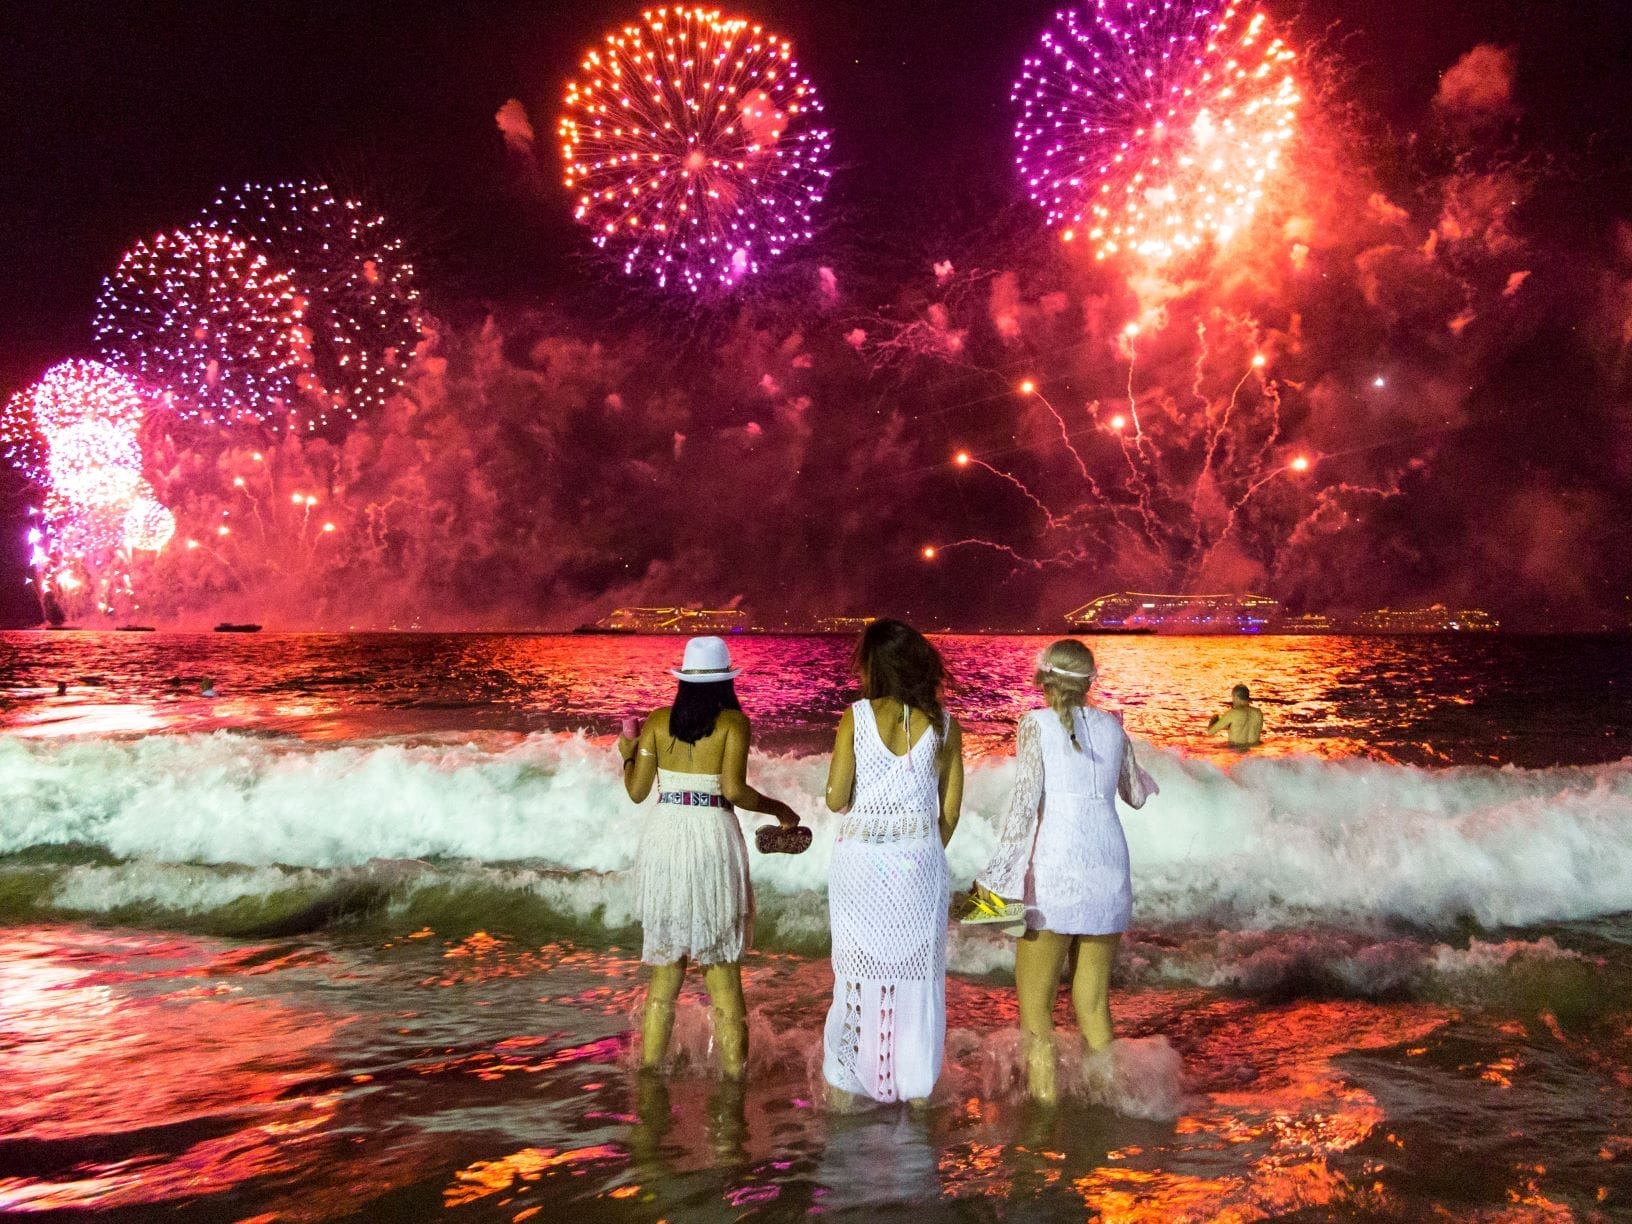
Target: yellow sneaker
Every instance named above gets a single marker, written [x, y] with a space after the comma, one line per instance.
[986, 908]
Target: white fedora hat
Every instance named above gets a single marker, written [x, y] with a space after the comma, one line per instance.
[707, 659]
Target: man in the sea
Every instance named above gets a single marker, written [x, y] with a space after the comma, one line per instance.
[1243, 722]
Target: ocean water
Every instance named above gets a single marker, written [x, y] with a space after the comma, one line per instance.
[353, 939]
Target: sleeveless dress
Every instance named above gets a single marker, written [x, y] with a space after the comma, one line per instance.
[692, 866]
[887, 902]
[1061, 846]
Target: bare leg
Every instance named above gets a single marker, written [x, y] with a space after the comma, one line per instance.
[724, 984]
[1038, 959]
[1091, 987]
[657, 1021]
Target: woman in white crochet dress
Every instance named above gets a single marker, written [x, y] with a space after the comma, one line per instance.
[897, 774]
[1062, 858]
[695, 902]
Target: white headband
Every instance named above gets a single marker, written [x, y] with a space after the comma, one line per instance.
[1063, 671]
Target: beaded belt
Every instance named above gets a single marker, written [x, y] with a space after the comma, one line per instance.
[694, 799]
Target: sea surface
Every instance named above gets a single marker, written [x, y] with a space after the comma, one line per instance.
[353, 939]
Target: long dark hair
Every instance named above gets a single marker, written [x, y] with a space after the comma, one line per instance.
[894, 660]
[697, 705]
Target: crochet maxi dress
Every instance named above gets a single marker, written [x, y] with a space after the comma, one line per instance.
[887, 899]
[692, 866]
[1061, 846]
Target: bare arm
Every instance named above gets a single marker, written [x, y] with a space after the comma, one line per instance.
[1005, 875]
[1219, 722]
[734, 774]
[639, 761]
[950, 766]
[841, 771]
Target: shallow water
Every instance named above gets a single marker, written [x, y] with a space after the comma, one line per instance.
[353, 940]
[322, 1078]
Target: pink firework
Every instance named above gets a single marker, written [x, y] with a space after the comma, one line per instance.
[148, 526]
[72, 393]
[201, 318]
[694, 146]
[1154, 127]
[359, 305]
[95, 464]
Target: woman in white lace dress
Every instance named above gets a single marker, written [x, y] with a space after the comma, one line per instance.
[1062, 852]
[696, 905]
[897, 774]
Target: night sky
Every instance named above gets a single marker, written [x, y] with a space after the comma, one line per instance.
[122, 119]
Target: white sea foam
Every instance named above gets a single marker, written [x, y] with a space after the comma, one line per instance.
[1276, 840]
[1142, 1077]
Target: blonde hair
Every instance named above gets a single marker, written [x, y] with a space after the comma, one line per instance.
[1065, 672]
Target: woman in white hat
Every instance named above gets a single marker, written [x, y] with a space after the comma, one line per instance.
[696, 905]
[1061, 864]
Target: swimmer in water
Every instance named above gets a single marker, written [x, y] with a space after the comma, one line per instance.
[207, 689]
[1243, 722]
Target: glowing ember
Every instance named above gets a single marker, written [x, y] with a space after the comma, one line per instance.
[694, 146]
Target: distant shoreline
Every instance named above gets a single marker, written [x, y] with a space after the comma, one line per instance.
[818, 633]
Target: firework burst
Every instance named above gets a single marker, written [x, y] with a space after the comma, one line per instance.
[74, 435]
[694, 146]
[148, 526]
[69, 395]
[358, 303]
[1154, 127]
[95, 464]
[201, 318]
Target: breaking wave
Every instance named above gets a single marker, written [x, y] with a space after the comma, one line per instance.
[248, 834]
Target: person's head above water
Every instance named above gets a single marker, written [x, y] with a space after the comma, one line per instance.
[894, 660]
[1240, 693]
[707, 686]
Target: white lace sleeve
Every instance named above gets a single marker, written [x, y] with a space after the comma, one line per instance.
[1134, 784]
[1005, 875]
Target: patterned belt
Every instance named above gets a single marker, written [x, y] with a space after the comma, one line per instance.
[694, 799]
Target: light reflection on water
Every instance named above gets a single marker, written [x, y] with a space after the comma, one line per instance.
[315, 1079]
[1453, 700]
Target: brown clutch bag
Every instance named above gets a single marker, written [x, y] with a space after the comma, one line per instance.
[774, 839]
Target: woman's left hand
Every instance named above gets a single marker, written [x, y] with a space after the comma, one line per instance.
[626, 748]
